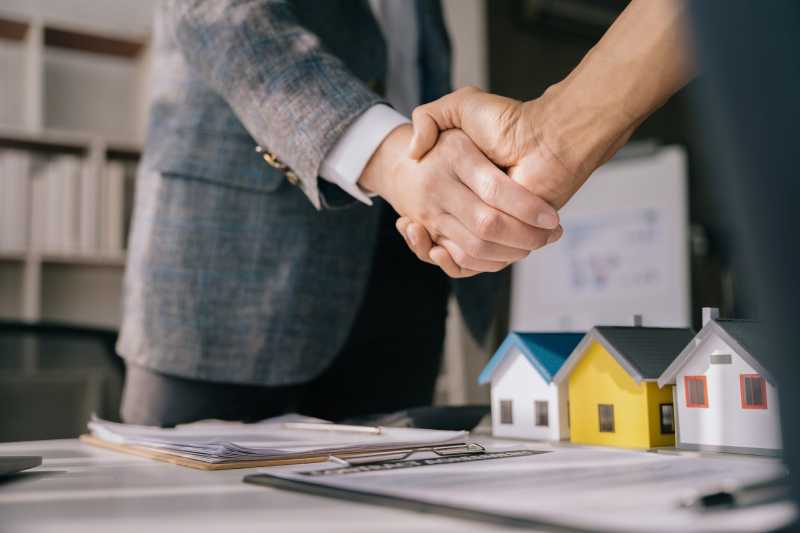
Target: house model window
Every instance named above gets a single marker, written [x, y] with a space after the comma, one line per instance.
[506, 412]
[720, 359]
[667, 417]
[606, 415]
[754, 391]
[540, 413]
[696, 391]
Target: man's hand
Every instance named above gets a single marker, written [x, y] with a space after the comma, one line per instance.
[544, 145]
[549, 152]
[552, 144]
[481, 217]
[511, 134]
[419, 241]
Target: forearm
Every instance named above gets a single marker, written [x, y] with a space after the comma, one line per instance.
[346, 161]
[638, 64]
[380, 173]
[641, 60]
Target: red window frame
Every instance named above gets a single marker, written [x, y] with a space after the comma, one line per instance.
[745, 405]
[686, 380]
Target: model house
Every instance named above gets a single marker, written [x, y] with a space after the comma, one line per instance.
[525, 401]
[726, 399]
[614, 399]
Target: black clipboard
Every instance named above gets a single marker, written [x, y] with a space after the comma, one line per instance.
[310, 481]
[408, 504]
[308, 485]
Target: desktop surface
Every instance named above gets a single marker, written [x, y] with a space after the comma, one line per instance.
[12, 464]
[81, 489]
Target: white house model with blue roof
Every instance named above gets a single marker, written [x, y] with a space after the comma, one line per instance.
[525, 401]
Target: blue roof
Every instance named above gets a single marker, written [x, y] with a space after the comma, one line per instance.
[546, 352]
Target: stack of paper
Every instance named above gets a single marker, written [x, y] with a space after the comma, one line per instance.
[222, 442]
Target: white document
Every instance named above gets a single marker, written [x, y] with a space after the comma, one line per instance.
[39, 203]
[594, 489]
[70, 214]
[54, 184]
[5, 200]
[14, 180]
[112, 208]
[23, 178]
[219, 442]
[60, 209]
[89, 207]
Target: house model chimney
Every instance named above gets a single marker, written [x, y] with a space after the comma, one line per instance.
[709, 314]
[637, 321]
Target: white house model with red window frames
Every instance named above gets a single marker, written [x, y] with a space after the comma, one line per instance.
[726, 400]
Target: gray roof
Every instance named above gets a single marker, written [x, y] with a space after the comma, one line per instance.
[648, 350]
[643, 352]
[750, 334]
[748, 338]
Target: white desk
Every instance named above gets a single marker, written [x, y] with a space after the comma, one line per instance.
[81, 489]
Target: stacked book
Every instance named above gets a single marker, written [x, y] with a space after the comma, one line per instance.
[63, 204]
[14, 200]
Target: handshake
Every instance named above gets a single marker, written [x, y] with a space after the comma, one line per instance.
[479, 179]
[486, 191]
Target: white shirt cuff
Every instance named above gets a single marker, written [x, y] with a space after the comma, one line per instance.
[346, 161]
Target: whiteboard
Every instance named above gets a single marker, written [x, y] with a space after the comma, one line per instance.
[625, 251]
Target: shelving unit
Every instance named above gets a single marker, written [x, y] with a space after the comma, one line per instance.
[81, 92]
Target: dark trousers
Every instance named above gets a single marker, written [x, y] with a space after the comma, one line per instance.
[389, 362]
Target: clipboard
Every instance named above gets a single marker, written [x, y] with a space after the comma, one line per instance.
[408, 504]
[567, 489]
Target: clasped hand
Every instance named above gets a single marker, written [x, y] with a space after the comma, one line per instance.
[482, 179]
[492, 181]
[480, 218]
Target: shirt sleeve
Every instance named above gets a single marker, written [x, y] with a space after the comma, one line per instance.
[345, 162]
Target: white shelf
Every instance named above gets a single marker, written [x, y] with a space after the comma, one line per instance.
[65, 258]
[73, 77]
[13, 257]
[77, 86]
[66, 141]
[78, 259]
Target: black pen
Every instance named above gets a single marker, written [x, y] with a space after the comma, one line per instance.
[758, 493]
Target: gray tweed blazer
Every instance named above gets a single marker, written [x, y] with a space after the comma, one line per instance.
[236, 273]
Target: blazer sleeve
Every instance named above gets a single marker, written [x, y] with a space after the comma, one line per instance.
[294, 97]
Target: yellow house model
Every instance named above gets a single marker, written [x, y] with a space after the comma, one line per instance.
[614, 399]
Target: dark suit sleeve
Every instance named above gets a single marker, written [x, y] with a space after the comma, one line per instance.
[294, 97]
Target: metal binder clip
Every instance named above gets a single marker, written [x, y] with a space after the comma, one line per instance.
[390, 456]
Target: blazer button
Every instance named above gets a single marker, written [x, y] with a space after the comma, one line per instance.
[292, 178]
